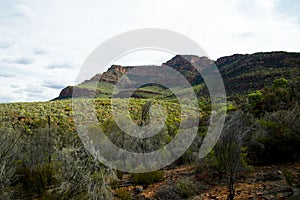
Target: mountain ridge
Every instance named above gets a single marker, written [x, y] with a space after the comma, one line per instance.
[241, 73]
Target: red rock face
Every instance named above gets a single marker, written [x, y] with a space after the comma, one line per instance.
[82, 92]
[66, 92]
[118, 69]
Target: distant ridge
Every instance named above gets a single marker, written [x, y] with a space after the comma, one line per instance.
[241, 73]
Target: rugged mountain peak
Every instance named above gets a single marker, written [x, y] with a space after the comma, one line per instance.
[118, 68]
[188, 62]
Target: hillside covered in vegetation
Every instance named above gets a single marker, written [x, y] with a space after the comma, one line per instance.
[256, 157]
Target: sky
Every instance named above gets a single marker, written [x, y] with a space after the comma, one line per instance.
[44, 43]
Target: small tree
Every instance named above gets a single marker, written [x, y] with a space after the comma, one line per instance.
[229, 150]
[145, 113]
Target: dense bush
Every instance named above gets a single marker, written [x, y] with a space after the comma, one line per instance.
[281, 95]
[36, 181]
[276, 109]
[9, 152]
[47, 162]
[147, 178]
[185, 187]
[123, 194]
[280, 137]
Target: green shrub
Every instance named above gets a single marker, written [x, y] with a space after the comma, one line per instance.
[147, 178]
[280, 82]
[185, 187]
[211, 163]
[114, 184]
[255, 96]
[279, 142]
[288, 177]
[35, 181]
[123, 194]
[120, 174]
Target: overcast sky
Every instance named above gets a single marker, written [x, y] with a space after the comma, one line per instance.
[44, 43]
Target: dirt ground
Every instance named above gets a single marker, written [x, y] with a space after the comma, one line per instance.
[260, 182]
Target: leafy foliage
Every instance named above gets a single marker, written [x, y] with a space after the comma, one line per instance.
[147, 178]
[122, 194]
[185, 187]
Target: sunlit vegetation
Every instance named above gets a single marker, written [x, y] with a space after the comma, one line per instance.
[43, 157]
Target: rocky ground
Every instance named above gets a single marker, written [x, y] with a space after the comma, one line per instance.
[260, 182]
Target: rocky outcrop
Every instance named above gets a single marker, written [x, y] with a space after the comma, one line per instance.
[69, 92]
[65, 93]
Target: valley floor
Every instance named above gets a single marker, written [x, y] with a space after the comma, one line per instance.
[260, 182]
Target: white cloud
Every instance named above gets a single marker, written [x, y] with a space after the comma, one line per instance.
[25, 11]
[59, 66]
[59, 35]
[24, 61]
[150, 57]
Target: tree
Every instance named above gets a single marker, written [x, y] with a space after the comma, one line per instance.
[229, 150]
[9, 141]
[145, 113]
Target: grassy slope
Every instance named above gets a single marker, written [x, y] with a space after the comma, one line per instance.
[61, 110]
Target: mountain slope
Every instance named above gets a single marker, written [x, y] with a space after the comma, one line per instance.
[240, 73]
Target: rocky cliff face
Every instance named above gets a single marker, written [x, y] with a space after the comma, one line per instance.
[189, 63]
[112, 75]
[240, 73]
[68, 92]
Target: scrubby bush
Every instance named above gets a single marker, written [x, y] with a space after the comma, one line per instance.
[185, 187]
[275, 137]
[280, 82]
[9, 152]
[288, 177]
[119, 174]
[147, 178]
[123, 194]
[36, 181]
[276, 97]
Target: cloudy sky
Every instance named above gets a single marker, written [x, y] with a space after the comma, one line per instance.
[44, 43]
